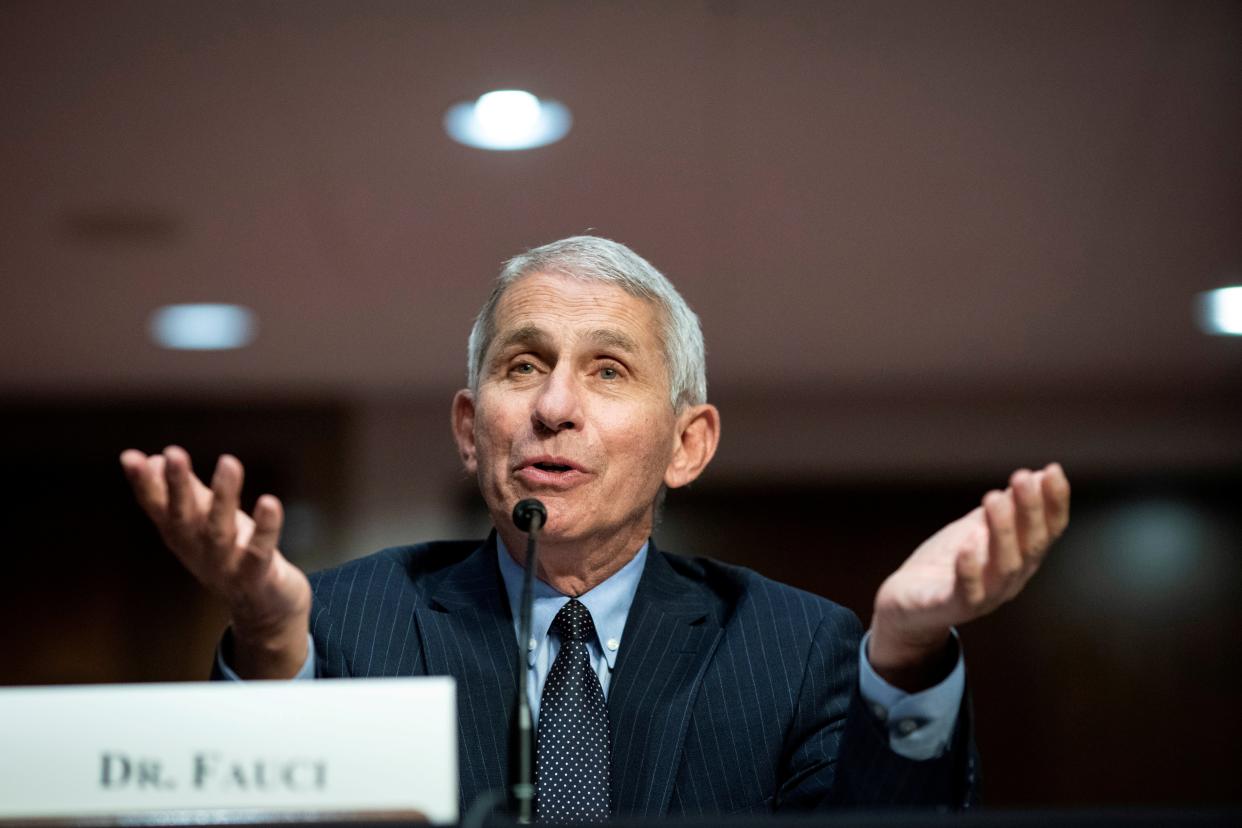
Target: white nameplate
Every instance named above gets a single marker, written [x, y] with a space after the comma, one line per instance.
[312, 746]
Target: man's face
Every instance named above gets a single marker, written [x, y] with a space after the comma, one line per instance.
[572, 408]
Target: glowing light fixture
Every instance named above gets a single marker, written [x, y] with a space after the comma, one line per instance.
[507, 119]
[203, 327]
[1220, 311]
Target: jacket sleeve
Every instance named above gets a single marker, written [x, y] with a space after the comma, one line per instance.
[837, 753]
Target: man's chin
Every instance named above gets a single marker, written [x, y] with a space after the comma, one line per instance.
[557, 504]
[571, 521]
[563, 525]
[555, 526]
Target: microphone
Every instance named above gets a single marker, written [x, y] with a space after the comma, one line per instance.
[529, 516]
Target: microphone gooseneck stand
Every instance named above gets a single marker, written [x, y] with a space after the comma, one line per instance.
[528, 515]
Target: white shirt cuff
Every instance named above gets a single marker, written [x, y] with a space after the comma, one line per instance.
[921, 724]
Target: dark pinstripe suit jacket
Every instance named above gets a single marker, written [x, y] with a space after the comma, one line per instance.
[732, 693]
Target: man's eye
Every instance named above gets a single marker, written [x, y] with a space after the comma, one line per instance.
[609, 373]
[523, 368]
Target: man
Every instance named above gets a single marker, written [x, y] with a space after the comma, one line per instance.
[692, 687]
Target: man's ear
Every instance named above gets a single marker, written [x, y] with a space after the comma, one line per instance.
[463, 429]
[696, 438]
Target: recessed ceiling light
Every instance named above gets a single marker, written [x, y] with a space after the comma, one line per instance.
[507, 119]
[203, 327]
[1220, 311]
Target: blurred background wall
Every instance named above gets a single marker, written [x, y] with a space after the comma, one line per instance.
[929, 243]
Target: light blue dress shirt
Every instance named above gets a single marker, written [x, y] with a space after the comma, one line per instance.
[919, 724]
[609, 604]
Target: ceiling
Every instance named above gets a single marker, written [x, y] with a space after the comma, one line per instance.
[854, 195]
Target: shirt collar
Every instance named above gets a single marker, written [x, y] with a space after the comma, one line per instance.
[609, 602]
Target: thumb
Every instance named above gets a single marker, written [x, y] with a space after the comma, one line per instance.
[268, 519]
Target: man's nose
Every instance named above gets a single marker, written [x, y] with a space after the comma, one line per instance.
[557, 407]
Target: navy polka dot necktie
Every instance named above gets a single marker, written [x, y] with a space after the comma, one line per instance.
[573, 748]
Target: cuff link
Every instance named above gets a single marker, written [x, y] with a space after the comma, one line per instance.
[906, 727]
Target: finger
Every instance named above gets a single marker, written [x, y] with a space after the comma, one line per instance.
[177, 476]
[1029, 514]
[226, 484]
[969, 566]
[257, 557]
[146, 477]
[132, 461]
[268, 518]
[1056, 492]
[1004, 559]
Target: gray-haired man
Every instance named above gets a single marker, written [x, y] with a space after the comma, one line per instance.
[725, 692]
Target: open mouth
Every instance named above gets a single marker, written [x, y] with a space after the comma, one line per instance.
[554, 473]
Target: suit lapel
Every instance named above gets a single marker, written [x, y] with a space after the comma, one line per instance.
[466, 630]
[672, 630]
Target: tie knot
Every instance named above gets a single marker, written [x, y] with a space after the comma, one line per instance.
[573, 622]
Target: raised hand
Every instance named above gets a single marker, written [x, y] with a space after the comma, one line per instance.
[229, 552]
[964, 571]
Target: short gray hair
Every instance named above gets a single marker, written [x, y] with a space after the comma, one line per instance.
[592, 258]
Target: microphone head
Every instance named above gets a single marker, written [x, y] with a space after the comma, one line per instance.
[526, 512]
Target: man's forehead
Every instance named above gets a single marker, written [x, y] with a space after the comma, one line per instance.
[542, 308]
[535, 334]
